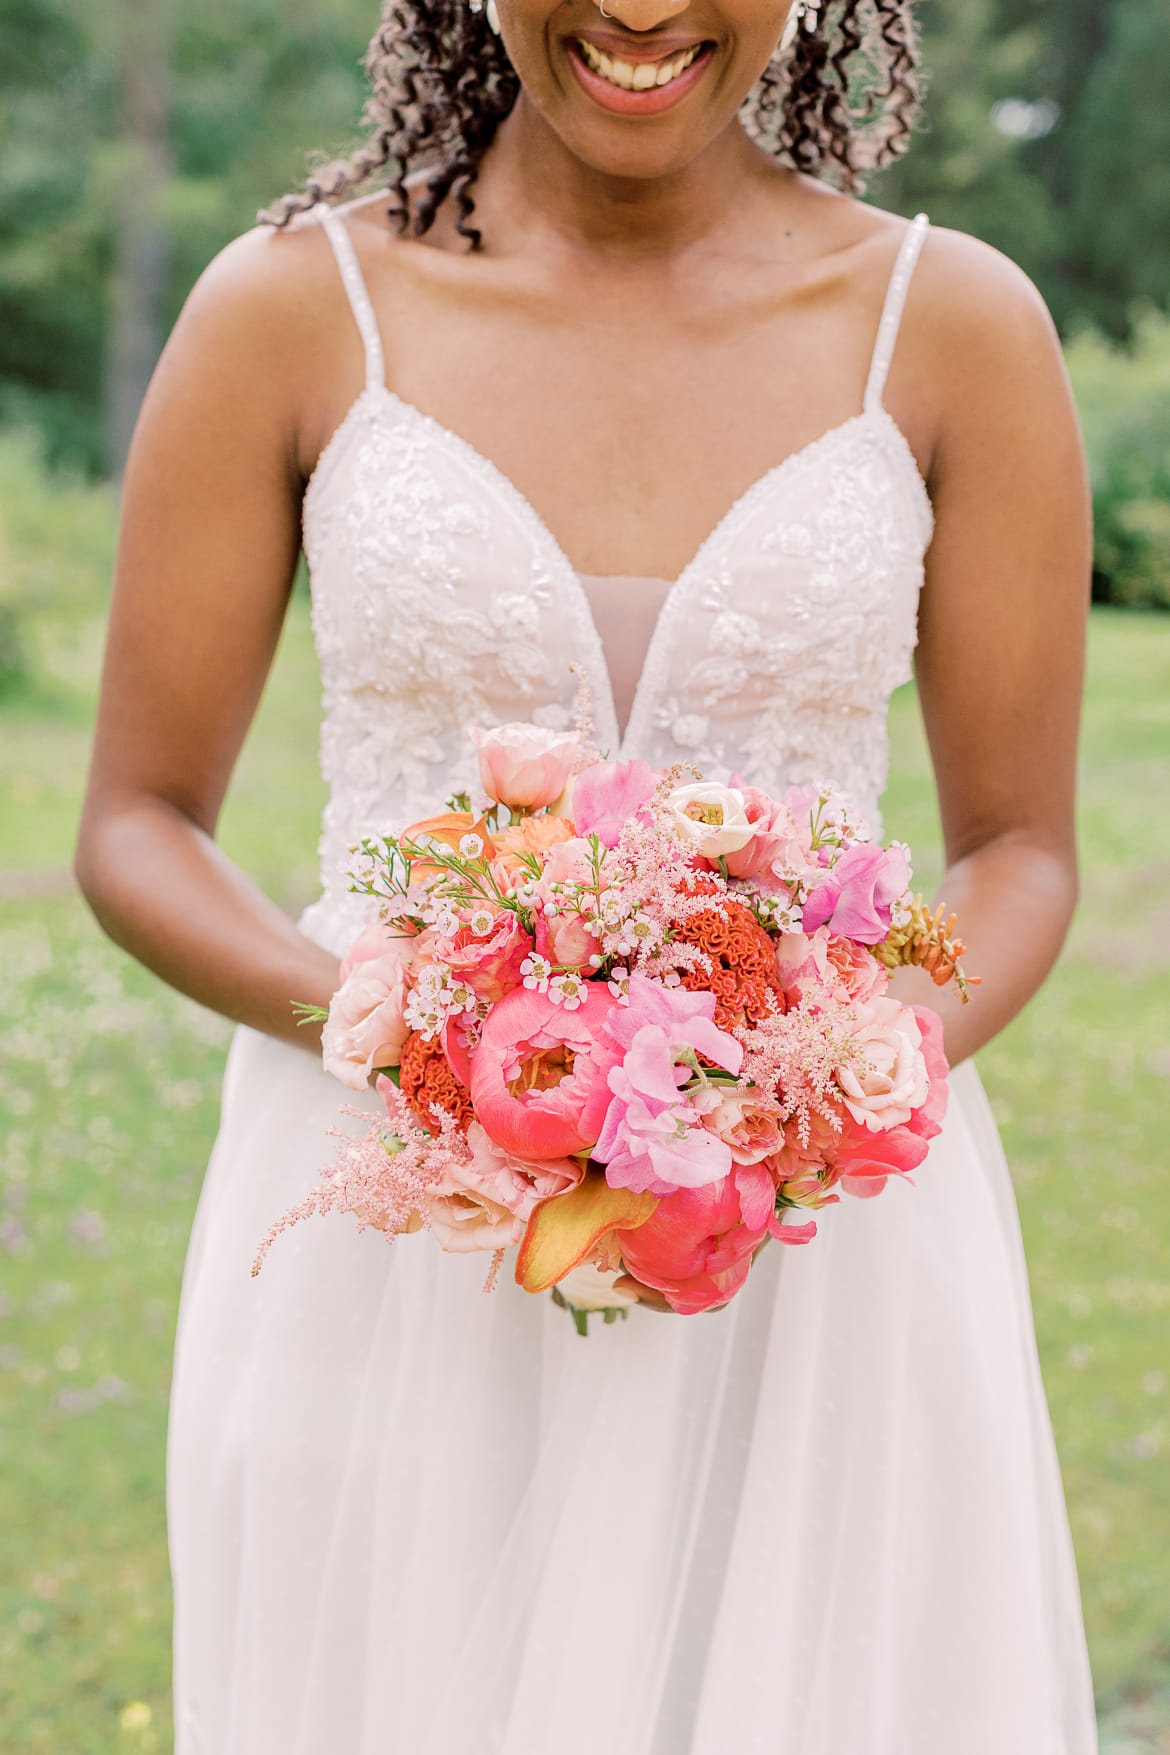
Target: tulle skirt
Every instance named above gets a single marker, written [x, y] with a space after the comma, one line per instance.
[411, 1518]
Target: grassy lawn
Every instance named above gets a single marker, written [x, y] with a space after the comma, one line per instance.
[109, 1090]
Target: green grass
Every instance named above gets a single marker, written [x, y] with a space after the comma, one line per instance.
[109, 1089]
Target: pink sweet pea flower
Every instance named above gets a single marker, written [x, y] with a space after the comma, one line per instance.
[857, 893]
[524, 766]
[605, 794]
[539, 1069]
[654, 1139]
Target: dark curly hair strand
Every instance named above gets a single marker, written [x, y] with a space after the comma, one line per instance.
[840, 102]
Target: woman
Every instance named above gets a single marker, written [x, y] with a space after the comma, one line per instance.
[607, 298]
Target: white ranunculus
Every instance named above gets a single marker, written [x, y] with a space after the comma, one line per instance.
[710, 818]
[586, 1287]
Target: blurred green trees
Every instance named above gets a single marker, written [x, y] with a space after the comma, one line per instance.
[137, 137]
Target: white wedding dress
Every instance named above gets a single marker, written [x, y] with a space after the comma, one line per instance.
[411, 1518]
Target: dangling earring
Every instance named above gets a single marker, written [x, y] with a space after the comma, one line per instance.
[493, 16]
[806, 14]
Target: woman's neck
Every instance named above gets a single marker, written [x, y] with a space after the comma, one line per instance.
[531, 185]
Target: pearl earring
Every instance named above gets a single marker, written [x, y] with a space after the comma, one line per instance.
[493, 16]
[805, 14]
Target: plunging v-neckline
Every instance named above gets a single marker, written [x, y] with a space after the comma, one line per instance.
[494, 477]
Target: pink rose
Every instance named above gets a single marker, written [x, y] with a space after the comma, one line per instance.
[606, 794]
[538, 1072]
[850, 971]
[524, 766]
[857, 893]
[775, 835]
[488, 962]
[485, 1203]
[750, 1130]
[563, 936]
[892, 1081]
[366, 1027]
[565, 939]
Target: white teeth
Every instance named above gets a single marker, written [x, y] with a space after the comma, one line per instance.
[638, 76]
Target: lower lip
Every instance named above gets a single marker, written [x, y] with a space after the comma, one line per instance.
[651, 102]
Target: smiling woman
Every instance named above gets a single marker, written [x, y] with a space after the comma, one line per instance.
[609, 382]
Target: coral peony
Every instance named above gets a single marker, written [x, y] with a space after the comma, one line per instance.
[538, 1072]
[695, 1247]
[524, 766]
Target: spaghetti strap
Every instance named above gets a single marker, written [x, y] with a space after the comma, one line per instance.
[359, 299]
[887, 334]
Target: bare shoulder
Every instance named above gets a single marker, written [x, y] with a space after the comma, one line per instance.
[978, 318]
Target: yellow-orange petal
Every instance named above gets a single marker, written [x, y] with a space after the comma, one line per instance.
[562, 1231]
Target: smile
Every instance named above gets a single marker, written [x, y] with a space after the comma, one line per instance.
[639, 75]
[638, 87]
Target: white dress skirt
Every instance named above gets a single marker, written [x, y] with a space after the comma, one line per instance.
[408, 1517]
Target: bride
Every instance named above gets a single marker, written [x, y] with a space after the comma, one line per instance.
[611, 371]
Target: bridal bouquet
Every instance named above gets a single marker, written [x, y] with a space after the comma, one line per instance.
[630, 1022]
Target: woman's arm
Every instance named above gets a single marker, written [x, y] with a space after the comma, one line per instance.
[1001, 634]
[207, 551]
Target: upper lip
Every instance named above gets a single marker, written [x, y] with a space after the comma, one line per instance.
[635, 49]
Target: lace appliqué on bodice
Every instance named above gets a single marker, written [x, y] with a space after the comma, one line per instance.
[441, 600]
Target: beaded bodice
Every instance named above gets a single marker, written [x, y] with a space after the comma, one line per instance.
[441, 600]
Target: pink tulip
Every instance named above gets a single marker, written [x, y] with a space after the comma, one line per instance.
[525, 766]
[607, 793]
[539, 1070]
[857, 894]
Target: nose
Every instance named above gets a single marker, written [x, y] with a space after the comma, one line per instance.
[644, 14]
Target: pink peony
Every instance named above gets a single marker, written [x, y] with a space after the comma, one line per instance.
[485, 1203]
[366, 1027]
[524, 766]
[606, 794]
[488, 962]
[857, 893]
[538, 1072]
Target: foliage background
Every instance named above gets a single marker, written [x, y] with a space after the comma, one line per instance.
[137, 137]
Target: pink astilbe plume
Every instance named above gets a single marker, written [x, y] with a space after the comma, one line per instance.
[382, 1187]
[796, 1055]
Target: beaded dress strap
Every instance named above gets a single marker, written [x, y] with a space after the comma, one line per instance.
[359, 299]
[895, 304]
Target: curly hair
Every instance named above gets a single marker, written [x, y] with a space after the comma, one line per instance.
[840, 102]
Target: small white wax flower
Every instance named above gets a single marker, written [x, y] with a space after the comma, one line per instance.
[568, 991]
[470, 846]
[481, 922]
[536, 971]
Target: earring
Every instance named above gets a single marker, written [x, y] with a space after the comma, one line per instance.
[493, 16]
[805, 15]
